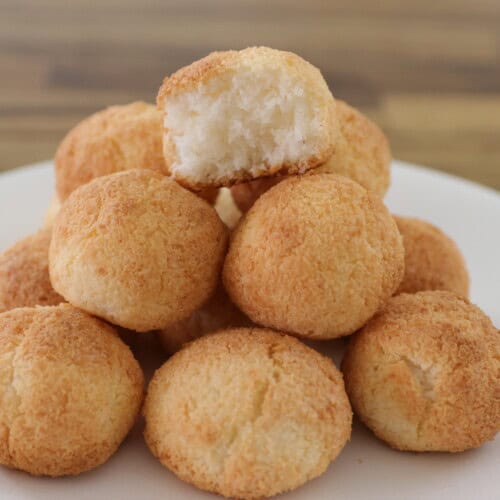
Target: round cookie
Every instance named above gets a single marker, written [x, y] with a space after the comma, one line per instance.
[362, 154]
[432, 259]
[238, 115]
[137, 249]
[362, 151]
[424, 373]
[316, 256]
[24, 274]
[218, 313]
[114, 139]
[262, 413]
[70, 390]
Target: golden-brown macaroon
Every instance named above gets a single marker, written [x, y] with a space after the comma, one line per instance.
[70, 390]
[239, 115]
[137, 249]
[261, 413]
[24, 274]
[316, 256]
[424, 373]
[52, 211]
[362, 153]
[432, 259]
[112, 140]
[218, 313]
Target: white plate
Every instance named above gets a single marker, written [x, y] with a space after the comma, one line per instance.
[366, 469]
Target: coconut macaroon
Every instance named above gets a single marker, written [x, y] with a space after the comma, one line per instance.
[70, 390]
[424, 373]
[217, 314]
[261, 413]
[112, 140]
[239, 115]
[432, 259]
[137, 249]
[24, 274]
[362, 153]
[315, 256]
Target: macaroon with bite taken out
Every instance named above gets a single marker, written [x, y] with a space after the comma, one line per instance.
[238, 115]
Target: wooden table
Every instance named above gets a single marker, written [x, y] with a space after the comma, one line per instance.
[428, 72]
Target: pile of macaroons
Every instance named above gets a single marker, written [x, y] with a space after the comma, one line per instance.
[241, 215]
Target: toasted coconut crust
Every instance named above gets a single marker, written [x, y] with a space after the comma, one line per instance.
[196, 73]
[269, 172]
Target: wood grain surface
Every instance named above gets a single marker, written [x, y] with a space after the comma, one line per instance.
[428, 72]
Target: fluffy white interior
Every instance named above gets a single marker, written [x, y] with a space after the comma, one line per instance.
[242, 122]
